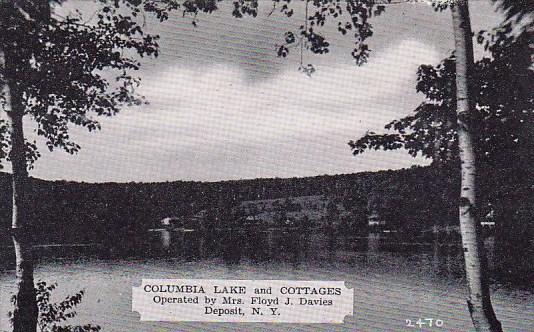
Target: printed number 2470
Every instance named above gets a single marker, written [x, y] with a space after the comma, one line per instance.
[422, 322]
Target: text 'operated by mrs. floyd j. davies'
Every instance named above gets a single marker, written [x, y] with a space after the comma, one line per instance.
[282, 301]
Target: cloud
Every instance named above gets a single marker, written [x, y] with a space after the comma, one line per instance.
[223, 106]
[212, 123]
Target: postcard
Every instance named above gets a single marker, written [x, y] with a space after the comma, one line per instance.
[266, 165]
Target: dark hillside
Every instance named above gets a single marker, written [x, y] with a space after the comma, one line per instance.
[68, 212]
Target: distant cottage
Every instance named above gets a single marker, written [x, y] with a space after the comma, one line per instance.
[172, 222]
[375, 220]
[488, 224]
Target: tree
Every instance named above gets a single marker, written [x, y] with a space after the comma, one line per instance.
[332, 213]
[502, 114]
[479, 301]
[52, 316]
[52, 70]
[483, 134]
[500, 127]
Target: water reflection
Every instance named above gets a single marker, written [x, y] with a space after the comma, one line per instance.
[291, 245]
[254, 245]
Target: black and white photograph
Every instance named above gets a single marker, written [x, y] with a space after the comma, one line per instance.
[266, 165]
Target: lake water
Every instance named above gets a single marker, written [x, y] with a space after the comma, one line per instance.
[392, 280]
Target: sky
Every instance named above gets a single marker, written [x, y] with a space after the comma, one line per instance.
[223, 106]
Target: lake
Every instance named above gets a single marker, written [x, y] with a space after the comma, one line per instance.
[393, 280]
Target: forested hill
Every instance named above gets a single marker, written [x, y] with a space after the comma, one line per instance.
[89, 209]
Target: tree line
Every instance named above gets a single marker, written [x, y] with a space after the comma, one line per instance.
[74, 212]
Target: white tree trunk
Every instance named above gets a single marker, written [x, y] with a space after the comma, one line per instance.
[479, 302]
[15, 58]
[25, 311]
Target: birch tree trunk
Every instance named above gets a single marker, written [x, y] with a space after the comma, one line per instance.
[479, 302]
[25, 310]
[16, 55]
